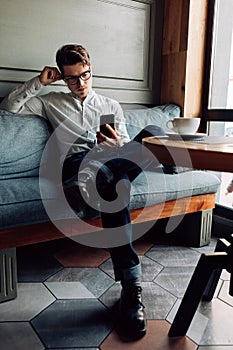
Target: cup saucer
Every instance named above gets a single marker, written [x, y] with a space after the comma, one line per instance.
[185, 137]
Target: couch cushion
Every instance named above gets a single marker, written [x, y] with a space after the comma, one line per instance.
[23, 139]
[22, 196]
[155, 187]
[21, 204]
[138, 119]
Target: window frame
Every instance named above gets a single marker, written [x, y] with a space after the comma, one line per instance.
[221, 212]
[209, 114]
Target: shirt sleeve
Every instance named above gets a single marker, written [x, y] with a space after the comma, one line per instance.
[23, 99]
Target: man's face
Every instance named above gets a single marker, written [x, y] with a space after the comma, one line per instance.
[78, 79]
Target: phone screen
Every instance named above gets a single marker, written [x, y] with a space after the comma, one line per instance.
[107, 119]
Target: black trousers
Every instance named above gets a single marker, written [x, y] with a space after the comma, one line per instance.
[124, 167]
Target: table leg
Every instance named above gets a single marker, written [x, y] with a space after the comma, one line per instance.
[221, 246]
[207, 263]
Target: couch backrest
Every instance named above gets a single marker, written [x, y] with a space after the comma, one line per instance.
[23, 137]
[136, 119]
[22, 140]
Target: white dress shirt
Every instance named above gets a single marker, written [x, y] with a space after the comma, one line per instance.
[77, 120]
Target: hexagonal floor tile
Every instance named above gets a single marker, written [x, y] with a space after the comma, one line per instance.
[73, 323]
[170, 256]
[69, 290]
[156, 338]
[209, 326]
[78, 255]
[158, 302]
[215, 347]
[35, 263]
[142, 245]
[78, 349]
[111, 296]
[150, 268]
[95, 280]
[224, 293]
[225, 275]
[18, 336]
[176, 285]
[107, 267]
[31, 300]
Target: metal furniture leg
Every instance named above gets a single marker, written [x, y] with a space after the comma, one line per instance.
[8, 274]
[207, 263]
[221, 246]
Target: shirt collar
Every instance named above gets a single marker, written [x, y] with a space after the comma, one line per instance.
[89, 96]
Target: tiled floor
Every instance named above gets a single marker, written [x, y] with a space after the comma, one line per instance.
[67, 294]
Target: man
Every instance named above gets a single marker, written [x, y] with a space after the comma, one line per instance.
[229, 188]
[78, 114]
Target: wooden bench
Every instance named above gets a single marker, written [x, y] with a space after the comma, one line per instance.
[25, 235]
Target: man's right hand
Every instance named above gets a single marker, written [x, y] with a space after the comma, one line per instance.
[49, 75]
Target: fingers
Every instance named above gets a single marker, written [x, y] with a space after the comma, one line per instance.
[100, 137]
[115, 140]
[49, 75]
[108, 141]
[114, 133]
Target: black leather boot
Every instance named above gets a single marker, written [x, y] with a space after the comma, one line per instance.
[131, 319]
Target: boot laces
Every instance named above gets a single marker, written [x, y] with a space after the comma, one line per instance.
[133, 296]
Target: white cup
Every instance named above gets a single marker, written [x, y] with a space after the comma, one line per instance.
[184, 125]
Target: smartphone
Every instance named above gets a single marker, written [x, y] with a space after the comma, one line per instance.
[107, 119]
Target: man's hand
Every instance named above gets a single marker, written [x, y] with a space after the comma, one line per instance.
[49, 75]
[113, 141]
[229, 188]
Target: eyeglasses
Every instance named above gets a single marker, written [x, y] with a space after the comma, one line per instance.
[73, 80]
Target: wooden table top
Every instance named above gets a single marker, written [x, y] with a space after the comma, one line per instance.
[213, 153]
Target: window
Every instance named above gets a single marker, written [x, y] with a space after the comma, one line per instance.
[218, 96]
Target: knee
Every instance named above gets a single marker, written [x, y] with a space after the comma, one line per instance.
[149, 130]
[154, 130]
[118, 188]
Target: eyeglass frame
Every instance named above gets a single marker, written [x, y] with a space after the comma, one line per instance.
[77, 77]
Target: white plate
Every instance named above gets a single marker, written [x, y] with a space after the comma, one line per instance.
[186, 137]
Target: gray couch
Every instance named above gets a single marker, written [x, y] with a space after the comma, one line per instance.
[24, 220]
[23, 139]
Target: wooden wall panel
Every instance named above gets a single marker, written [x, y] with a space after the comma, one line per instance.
[184, 25]
[195, 58]
[183, 52]
[174, 51]
[172, 26]
[173, 78]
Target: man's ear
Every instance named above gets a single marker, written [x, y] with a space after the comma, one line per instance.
[60, 72]
[62, 75]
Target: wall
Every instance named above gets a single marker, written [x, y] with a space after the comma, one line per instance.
[120, 35]
[184, 36]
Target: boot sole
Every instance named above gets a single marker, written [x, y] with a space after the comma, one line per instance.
[128, 337]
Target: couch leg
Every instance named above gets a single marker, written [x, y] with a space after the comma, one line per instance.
[195, 228]
[8, 274]
[205, 227]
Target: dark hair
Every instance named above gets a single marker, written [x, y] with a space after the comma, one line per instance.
[68, 55]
